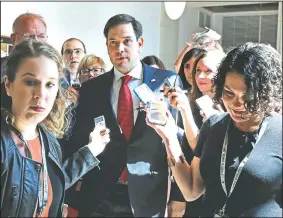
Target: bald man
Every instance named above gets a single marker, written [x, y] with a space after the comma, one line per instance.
[25, 26]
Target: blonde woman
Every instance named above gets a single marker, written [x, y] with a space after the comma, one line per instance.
[91, 66]
[33, 175]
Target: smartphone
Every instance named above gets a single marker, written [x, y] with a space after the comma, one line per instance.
[211, 34]
[76, 86]
[157, 112]
[144, 93]
[100, 122]
[207, 106]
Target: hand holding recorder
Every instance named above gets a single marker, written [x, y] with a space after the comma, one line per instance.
[99, 137]
[73, 94]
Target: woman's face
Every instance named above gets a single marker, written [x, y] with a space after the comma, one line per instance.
[34, 89]
[90, 72]
[233, 96]
[205, 71]
[188, 69]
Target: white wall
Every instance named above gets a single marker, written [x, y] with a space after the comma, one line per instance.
[86, 20]
[188, 25]
[175, 33]
[169, 32]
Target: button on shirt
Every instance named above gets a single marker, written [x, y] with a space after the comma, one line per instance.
[137, 79]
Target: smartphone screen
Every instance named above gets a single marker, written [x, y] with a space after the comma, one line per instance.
[157, 112]
[207, 106]
[144, 93]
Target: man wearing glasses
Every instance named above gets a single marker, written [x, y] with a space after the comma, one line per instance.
[73, 50]
[26, 26]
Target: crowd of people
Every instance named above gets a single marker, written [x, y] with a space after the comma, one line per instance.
[56, 162]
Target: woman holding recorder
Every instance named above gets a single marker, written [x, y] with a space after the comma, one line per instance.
[33, 178]
[238, 157]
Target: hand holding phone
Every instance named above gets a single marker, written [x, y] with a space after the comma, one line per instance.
[157, 112]
[213, 35]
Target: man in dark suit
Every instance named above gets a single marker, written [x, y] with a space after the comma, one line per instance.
[140, 154]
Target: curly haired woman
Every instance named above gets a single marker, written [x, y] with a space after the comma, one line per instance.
[238, 156]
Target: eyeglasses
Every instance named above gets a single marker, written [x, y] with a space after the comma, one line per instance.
[95, 71]
[77, 51]
[42, 38]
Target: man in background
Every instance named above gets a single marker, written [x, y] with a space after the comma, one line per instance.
[26, 26]
[73, 50]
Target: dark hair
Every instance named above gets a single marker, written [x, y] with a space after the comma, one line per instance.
[261, 67]
[72, 39]
[194, 52]
[123, 19]
[30, 48]
[152, 59]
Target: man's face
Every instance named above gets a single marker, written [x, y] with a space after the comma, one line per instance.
[123, 47]
[73, 53]
[29, 27]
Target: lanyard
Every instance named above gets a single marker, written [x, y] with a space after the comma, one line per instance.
[241, 165]
[42, 197]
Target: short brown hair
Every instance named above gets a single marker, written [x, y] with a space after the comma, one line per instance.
[30, 48]
[72, 39]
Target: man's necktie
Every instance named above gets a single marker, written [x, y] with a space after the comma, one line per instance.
[125, 114]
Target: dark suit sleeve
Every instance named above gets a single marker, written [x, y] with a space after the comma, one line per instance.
[82, 127]
[79, 138]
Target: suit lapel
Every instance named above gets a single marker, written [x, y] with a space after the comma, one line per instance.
[148, 77]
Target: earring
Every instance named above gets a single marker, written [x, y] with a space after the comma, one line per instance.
[8, 93]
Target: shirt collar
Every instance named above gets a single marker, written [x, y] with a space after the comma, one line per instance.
[136, 72]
